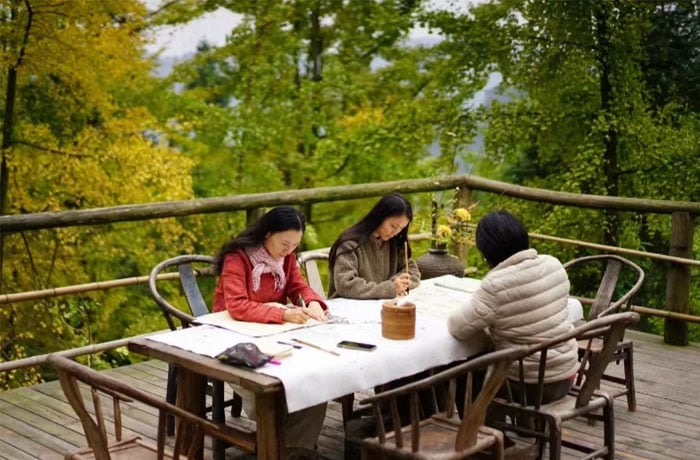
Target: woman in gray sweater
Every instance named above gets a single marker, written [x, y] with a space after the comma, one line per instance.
[368, 260]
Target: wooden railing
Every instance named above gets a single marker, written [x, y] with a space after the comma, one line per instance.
[247, 202]
[679, 258]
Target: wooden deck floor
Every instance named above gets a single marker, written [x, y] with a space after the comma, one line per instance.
[37, 422]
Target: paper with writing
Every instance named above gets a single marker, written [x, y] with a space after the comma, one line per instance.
[223, 319]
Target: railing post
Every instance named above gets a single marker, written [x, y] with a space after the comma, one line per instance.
[678, 278]
[252, 215]
[463, 199]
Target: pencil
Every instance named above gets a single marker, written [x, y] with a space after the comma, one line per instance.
[289, 344]
[309, 344]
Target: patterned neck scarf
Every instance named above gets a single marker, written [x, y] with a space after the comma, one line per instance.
[263, 262]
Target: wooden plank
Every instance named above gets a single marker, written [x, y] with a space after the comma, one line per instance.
[46, 415]
[29, 438]
[8, 451]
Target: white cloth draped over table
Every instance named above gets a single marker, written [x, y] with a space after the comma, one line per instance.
[311, 376]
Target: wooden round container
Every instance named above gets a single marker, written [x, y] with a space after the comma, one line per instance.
[398, 321]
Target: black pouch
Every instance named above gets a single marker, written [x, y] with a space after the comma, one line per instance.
[244, 354]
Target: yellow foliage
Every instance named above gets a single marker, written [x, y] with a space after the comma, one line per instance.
[362, 118]
[83, 138]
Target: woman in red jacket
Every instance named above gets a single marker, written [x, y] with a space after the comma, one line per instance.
[258, 272]
[258, 276]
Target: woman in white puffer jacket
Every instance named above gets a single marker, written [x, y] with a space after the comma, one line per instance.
[522, 301]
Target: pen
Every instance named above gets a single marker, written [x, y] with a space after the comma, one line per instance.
[289, 344]
[276, 362]
[309, 344]
[302, 302]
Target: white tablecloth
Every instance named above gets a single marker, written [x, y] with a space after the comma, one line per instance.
[311, 376]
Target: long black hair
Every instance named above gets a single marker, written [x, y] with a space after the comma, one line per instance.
[279, 219]
[391, 205]
[499, 235]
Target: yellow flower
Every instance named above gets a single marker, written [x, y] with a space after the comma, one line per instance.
[443, 233]
[462, 215]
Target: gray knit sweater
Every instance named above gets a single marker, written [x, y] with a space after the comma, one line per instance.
[368, 271]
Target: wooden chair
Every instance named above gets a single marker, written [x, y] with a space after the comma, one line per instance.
[133, 448]
[543, 422]
[442, 435]
[308, 262]
[189, 268]
[618, 270]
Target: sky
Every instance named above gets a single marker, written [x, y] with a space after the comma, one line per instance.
[183, 40]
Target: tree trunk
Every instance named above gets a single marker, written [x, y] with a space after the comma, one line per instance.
[10, 93]
[610, 140]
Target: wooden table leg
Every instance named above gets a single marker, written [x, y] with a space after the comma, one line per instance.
[191, 397]
[271, 414]
[218, 416]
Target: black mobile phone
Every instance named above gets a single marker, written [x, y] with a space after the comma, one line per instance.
[356, 345]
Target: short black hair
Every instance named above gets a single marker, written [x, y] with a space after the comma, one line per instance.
[499, 235]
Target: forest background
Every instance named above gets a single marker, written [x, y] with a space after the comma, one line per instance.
[595, 96]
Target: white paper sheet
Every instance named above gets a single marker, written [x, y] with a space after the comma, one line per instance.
[455, 283]
[224, 320]
[210, 340]
[439, 296]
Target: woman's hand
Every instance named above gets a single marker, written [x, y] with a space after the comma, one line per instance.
[402, 283]
[295, 315]
[316, 311]
[276, 304]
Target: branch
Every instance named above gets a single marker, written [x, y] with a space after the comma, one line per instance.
[55, 151]
[25, 38]
[32, 265]
[625, 172]
[342, 166]
[551, 41]
[163, 7]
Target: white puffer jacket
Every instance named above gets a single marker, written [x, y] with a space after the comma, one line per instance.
[522, 301]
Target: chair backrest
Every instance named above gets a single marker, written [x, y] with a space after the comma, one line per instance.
[71, 372]
[609, 328]
[475, 407]
[308, 261]
[187, 273]
[615, 266]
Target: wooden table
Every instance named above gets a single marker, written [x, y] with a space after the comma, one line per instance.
[433, 346]
[193, 371]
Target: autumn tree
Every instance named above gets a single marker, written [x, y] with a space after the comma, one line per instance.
[77, 135]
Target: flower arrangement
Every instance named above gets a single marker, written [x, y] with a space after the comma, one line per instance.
[453, 227]
[449, 226]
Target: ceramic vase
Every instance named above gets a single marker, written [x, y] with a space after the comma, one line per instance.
[438, 262]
